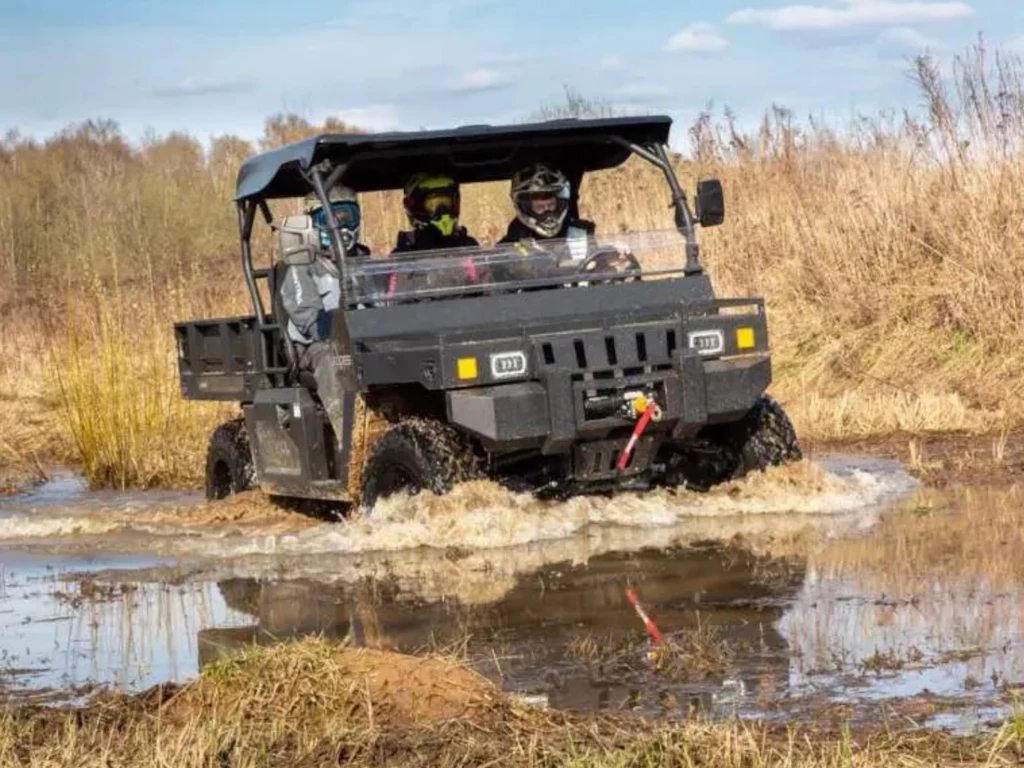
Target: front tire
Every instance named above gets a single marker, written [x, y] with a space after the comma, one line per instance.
[229, 465]
[415, 455]
[764, 437]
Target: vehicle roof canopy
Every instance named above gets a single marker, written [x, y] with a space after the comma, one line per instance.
[381, 161]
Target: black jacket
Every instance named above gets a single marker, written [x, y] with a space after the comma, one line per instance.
[518, 231]
[429, 238]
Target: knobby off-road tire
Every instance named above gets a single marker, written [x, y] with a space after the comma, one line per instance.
[229, 465]
[417, 454]
[763, 438]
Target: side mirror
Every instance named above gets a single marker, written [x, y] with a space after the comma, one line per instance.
[710, 203]
[299, 240]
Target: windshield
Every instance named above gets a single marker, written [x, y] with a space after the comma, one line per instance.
[527, 265]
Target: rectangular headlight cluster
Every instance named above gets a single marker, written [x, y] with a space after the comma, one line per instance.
[501, 365]
[712, 340]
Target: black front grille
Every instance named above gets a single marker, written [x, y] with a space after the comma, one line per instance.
[627, 351]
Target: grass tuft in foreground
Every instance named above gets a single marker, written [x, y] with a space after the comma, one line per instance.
[313, 703]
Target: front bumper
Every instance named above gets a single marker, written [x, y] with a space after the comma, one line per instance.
[549, 416]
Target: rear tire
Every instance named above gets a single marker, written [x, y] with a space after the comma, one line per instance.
[229, 465]
[762, 438]
[414, 455]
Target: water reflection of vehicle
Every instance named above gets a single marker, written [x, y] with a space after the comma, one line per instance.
[537, 619]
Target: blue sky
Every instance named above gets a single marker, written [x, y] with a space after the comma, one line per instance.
[222, 66]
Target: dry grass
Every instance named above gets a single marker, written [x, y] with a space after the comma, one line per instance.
[315, 704]
[688, 654]
[884, 251]
[692, 654]
[30, 434]
[116, 378]
[856, 413]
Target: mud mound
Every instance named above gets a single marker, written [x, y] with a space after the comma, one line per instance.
[318, 683]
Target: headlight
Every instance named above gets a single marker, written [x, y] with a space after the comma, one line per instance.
[507, 365]
[711, 342]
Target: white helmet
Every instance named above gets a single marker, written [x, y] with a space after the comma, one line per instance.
[347, 213]
[535, 182]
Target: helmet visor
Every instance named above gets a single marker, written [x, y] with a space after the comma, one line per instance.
[431, 204]
[542, 203]
[441, 201]
[346, 214]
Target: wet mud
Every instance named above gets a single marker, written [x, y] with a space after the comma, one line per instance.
[769, 593]
[942, 460]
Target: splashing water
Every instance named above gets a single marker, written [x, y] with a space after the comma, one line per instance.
[477, 515]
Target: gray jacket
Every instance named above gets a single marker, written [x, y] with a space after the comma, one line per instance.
[309, 292]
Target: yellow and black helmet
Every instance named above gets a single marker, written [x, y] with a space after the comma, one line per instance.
[432, 200]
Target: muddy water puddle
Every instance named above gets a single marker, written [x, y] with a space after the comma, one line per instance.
[131, 591]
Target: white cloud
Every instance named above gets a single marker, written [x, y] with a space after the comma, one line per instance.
[697, 37]
[372, 117]
[852, 13]
[192, 87]
[641, 91]
[482, 79]
[905, 38]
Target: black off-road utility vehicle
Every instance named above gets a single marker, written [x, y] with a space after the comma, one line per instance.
[562, 365]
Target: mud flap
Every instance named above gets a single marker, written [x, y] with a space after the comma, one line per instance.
[296, 452]
[287, 436]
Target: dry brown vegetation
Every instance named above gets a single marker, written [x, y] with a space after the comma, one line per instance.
[688, 654]
[312, 703]
[888, 252]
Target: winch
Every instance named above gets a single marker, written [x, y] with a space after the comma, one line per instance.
[626, 405]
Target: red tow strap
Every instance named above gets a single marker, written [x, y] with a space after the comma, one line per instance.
[649, 412]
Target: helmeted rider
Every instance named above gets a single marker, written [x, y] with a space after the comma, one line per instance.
[541, 197]
[347, 214]
[432, 203]
[311, 291]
